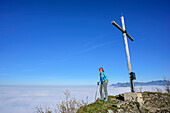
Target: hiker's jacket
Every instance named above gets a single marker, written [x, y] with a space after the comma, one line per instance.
[103, 77]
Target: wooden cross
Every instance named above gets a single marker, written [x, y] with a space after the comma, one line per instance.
[123, 30]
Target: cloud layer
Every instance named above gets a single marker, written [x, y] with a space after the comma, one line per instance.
[24, 99]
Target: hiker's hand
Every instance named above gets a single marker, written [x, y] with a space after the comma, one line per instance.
[97, 82]
[103, 80]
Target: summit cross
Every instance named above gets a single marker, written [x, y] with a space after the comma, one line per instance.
[123, 30]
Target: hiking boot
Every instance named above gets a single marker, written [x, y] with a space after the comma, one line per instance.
[105, 100]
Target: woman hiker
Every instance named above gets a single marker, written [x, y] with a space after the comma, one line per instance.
[103, 85]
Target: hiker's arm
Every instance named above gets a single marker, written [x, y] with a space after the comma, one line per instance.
[105, 77]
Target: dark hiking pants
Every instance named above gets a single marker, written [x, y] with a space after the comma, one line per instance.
[103, 86]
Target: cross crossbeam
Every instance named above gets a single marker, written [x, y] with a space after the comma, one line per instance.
[123, 31]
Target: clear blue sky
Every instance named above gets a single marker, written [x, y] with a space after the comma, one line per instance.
[64, 42]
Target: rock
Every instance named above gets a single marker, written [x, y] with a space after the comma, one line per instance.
[120, 110]
[109, 111]
[113, 99]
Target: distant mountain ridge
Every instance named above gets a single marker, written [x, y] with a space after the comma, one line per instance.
[127, 84]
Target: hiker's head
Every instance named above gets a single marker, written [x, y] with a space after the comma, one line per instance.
[101, 69]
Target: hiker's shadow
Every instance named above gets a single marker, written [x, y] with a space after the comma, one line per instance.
[120, 97]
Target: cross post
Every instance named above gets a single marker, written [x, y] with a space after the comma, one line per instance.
[123, 30]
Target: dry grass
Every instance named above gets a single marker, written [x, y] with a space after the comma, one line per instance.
[70, 105]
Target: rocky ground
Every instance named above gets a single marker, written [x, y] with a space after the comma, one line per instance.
[154, 102]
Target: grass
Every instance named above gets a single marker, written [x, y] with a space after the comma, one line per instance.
[100, 106]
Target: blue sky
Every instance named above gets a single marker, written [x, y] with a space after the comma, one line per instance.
[65, 42]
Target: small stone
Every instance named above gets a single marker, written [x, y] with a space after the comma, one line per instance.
[110, 111]
[120, 110]
[113, 99]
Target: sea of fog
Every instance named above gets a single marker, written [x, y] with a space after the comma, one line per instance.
[24, 99]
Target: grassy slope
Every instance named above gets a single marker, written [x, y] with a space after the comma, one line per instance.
[102, 107]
